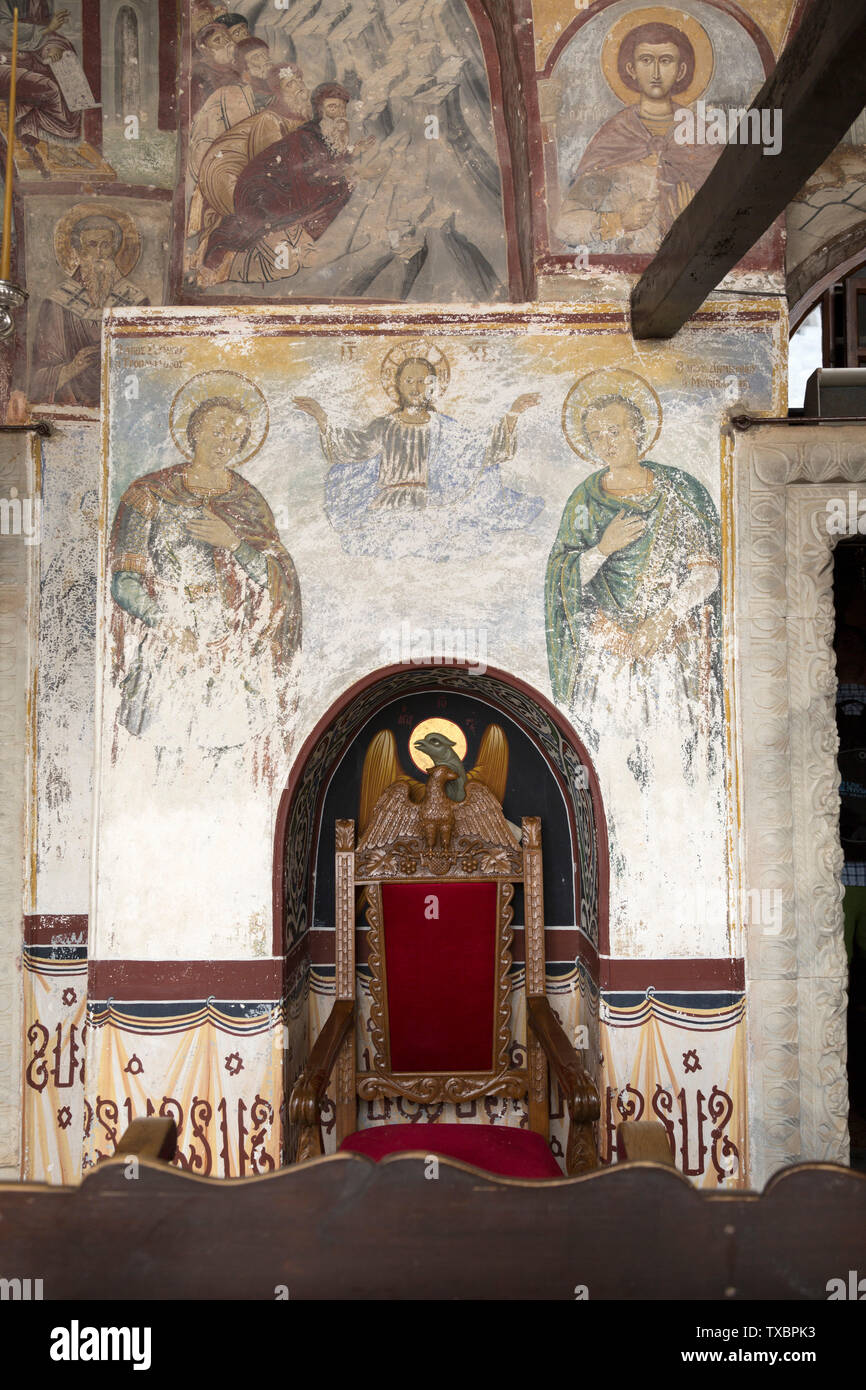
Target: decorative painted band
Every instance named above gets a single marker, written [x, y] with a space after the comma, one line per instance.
[724, 974]
[265, 979]
[186, 979]
[56, 929]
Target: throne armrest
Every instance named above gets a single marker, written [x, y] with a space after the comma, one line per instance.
[578, 1087]
[309, 1090]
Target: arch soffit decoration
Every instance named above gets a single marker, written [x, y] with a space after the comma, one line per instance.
[295, 838]
[728, 7]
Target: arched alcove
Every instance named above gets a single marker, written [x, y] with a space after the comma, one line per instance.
[550, 774]
[299, 820]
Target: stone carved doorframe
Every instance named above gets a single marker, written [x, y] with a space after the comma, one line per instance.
[796, 969]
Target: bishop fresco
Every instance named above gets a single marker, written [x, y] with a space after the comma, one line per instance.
[97, 244]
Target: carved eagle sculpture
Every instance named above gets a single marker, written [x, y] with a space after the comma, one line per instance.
[454, 818]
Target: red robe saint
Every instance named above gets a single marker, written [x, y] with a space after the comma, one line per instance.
[627, 160]
[296, 182]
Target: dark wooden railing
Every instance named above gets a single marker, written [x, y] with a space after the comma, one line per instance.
[344, 1227]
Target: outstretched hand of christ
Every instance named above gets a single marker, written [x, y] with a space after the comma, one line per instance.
[311, 407]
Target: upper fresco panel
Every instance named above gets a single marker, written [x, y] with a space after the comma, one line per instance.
[344, 149]
[634, 104]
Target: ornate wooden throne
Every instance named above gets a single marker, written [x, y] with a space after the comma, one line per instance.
[437, 881]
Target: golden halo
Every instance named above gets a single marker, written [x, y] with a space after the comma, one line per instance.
[236, 387]
[435, 726]
[609, 381]
[658, 14]
[419, 347]
[127, 254]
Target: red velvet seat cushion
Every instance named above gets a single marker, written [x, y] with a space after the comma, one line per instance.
[516, 1153]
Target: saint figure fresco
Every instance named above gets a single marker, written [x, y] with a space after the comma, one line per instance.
[416, 481]
[634, 177]
[52, 91]
[633, 617]
[633, 578]
[207, 612]
[97, 245]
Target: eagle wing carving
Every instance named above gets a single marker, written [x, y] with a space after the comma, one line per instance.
[480, 817]
[382, 770]
[492, 765]
[395, 817]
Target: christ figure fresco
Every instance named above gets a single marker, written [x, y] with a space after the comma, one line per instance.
[415, 481]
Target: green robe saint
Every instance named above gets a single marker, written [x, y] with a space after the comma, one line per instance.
[635, 583]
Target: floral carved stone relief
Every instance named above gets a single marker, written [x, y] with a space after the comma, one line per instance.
[784, 619]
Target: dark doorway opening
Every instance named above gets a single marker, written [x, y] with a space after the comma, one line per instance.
[849, 588]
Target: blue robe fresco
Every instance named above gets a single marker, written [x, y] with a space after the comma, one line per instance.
[431, 489]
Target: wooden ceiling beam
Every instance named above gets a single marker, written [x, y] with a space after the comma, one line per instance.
[819, 85]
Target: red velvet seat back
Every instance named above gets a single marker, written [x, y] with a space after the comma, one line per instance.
[440, 957]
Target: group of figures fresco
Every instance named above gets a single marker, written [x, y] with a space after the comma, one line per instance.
[206, 599]
[382, 183]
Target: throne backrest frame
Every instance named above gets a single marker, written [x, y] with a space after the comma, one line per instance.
[530, 1080]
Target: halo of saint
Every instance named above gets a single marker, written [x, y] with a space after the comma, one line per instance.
[436, 725]
[610, 382]
[613, 53]
[232, 386]
[128, 252]
[419, 349]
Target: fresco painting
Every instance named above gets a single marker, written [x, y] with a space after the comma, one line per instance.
[628, 640]
[415, 482]
[98, 246]
[206, 619]
[633, 610]
[617, 184]
[53, 93]
[332, 154]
